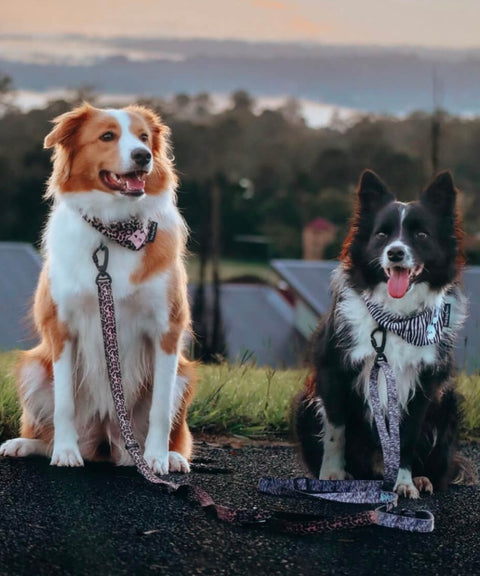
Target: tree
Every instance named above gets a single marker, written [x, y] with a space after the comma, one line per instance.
[6, 92]
[242, 101]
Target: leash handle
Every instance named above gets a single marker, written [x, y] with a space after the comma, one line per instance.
[345, 491]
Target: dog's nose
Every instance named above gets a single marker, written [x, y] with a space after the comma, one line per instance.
[141, 157]
[396, 254]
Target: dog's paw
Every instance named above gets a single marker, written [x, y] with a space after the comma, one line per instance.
[407, 490]
[177, 463]
[334, 475]
[157, 462]
[423, 484]
[66, 456]
[18, 447]
[405, 485]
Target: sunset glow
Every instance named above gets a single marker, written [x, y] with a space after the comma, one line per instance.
[393, 22]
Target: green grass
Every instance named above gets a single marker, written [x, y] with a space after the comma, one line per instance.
[239, 399]
[244, 400]
[469, 388]
[230, 399]
[9, 407]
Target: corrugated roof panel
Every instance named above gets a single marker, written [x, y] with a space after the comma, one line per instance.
[259, 323]
[19, 269]
[310, 279]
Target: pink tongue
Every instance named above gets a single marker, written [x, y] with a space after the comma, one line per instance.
[398, 282]
[132, 182]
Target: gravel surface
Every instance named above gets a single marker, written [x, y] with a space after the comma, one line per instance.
[105, 520]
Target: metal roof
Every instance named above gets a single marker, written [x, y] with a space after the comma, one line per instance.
[19, 269]
[310, 279]
[257, 320]
[257, 323]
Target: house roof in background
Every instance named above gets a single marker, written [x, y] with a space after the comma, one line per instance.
[20, 266]
[256, 318]
[257, 321]
[310, 279]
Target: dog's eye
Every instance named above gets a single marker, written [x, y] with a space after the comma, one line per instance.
[144, 137]
[421, 235]
[381, 235]
[107, 136]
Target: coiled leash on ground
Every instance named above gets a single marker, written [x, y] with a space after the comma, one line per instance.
[355, 491]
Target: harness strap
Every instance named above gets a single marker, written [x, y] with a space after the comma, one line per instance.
[290, 523]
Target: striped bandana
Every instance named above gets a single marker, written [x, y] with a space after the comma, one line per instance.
[132, 234]
[420, 330]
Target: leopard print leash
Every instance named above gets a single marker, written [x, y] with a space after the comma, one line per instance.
[285, 522]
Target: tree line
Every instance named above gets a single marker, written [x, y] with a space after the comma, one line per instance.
[273, 173]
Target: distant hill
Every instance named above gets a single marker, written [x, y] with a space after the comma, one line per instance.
[372, 79]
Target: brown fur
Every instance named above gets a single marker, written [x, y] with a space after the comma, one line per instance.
[79, 156]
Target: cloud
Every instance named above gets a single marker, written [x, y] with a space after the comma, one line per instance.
[293, 21]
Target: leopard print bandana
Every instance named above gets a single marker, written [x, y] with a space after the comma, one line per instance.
[132, 234]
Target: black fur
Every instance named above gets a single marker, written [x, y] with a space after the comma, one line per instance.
[430, 419]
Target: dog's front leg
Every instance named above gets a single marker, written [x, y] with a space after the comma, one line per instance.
[157, 454]
[65, 440]
[409, 435]
[333, 462]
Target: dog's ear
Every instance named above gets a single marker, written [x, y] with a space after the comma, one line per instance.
[372, 192]
[440, 195]
[66, 126]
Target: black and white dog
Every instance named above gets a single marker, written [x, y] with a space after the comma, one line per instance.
[400, 263]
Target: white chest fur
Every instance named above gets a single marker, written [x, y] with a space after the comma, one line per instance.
[141, 309]
[405, 359]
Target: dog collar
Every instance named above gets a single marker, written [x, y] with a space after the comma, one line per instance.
[420, 330]
[132, 233]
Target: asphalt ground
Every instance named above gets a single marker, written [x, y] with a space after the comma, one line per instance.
[101, 520]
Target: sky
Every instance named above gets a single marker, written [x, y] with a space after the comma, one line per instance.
[431, 23]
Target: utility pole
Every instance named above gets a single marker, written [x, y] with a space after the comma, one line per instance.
[217, 343]
[208, 326]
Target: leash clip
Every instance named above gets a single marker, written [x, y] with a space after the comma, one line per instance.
[101, 265]
[379, 348]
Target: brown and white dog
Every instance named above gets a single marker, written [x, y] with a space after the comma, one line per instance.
[111, 166]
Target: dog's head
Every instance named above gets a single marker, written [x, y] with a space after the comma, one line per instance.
[123, 153]
[404, 244]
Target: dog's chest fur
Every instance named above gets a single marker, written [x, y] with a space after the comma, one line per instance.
[354, 326]
[142, 311]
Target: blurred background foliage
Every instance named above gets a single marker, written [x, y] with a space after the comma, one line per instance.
[274, 172]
